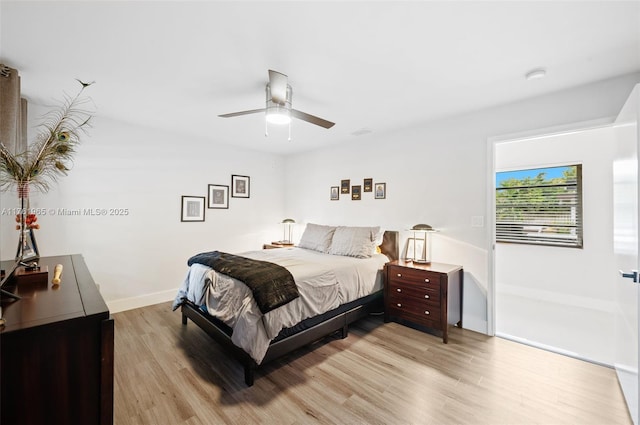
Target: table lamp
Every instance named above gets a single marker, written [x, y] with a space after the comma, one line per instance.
[424, 256]
[287, 225]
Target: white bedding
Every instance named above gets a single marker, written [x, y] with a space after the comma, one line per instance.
[324, 282]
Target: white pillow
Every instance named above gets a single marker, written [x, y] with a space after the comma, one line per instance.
[359, 242]
[317, 237]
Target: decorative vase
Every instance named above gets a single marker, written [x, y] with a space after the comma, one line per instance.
[27, 246]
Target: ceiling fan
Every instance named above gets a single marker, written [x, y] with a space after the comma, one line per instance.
[278, 108]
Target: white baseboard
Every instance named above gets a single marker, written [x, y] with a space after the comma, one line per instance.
[124, 304]
[633, 371]
[551, 348]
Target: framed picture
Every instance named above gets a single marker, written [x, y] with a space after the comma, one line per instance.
[192, 208]
[218, 196]
[344, 186]
[368, 185]
[414, 249]
[356, 192]
[239, 186]
[335, 193]
[381, 190]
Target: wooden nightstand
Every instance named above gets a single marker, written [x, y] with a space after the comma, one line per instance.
[274, 245]
[428, 295]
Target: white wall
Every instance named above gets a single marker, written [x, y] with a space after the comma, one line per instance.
[563, 297]
[140, 258]
[437, 173]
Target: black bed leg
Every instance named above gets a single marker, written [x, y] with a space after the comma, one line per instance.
[248, 375]
[344, 332]
[184, 319]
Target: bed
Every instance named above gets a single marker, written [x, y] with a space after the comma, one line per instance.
[338, 278]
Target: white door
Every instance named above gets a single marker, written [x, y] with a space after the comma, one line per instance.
[625, 241]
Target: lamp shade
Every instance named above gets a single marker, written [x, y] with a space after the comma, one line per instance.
[422, 228]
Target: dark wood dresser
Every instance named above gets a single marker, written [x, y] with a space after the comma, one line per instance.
[56, 350]
[427, 295]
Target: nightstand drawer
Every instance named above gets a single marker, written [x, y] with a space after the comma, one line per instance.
[415, 306]
[418, 291]
[425, 317]
[414, 276]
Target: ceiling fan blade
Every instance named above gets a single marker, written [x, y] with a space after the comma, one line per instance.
[278, 83]
[312, 119]
[237, 114]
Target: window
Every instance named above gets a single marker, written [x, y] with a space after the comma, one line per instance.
[541, 206]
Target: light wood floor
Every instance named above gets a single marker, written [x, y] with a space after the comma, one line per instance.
[383, 373]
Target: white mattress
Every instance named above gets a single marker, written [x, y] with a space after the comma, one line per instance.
[324, 282]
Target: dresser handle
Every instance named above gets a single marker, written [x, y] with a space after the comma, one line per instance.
[399, 305]
[426, 297]
[399, 290]
[426, 280]
[426, 312]
[399, 274]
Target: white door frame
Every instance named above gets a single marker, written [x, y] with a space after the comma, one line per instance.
[491, 199]
[627, 373]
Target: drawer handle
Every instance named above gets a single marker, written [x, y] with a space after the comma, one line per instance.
[399, 305]
[399, 290]
[426, 312]
[426, 297]
[426, 280]
[399, 274]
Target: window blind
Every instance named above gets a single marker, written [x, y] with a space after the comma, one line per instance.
[540, 206]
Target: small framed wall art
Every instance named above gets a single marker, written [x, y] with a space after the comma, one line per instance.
[192, 208]
[344, 186]
[335, 193]
[381, 190]
[240, 186]
[356, 193]
[368, 185]
[218, 196]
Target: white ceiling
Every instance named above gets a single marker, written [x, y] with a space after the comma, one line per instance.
[367, 66]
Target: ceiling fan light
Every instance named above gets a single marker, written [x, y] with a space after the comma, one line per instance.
[278, 115]
[278, 111]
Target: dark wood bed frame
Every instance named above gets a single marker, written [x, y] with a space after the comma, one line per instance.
[339, 322]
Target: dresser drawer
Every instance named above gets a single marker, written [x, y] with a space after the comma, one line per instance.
[423, 292]
[415, 306]
[407, 275]
[415, 314]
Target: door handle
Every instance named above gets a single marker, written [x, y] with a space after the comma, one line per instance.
[633, 275]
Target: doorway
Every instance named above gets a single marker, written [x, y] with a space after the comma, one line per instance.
[618, 145]
[554, 297]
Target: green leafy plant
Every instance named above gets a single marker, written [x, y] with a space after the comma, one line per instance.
[51, 154]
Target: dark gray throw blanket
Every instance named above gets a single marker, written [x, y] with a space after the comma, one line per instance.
[272, 285]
